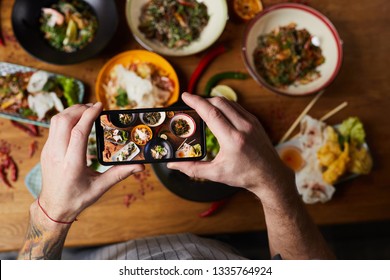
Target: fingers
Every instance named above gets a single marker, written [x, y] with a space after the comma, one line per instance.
[232, 113]
[116, 174]
[61, 126]
[79, 134]
[197, 169]
[213, 117]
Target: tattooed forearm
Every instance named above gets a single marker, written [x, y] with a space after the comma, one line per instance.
[43, 240]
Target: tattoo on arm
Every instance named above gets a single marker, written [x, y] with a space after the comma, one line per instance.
[42, 244]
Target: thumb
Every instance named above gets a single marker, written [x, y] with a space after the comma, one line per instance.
[116, 174]
[197, 169]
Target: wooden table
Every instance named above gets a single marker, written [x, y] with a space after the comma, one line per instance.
[363, 81]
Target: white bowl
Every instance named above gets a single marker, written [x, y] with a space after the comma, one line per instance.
[217, 10]
[190, 122]
[305, 18]
[162, 119]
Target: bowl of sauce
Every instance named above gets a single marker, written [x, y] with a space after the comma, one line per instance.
[292, 157]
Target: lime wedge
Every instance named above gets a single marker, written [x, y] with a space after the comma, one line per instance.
[71, 32]
[224, 91]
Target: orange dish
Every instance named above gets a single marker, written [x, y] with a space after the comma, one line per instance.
[247, 9]
[141, 134]
[116, 85]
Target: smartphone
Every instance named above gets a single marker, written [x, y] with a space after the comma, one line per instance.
[150, 136]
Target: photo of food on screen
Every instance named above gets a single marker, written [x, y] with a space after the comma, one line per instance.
[151, 136]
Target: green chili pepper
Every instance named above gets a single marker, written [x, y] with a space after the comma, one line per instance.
[223, 76]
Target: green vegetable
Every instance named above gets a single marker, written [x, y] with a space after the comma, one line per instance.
[122, 99]
[352, 130]
[50, 85]
[198, 150]
[70, 90]
[212, 144]
[223, 76]
[124, 135]
[95, 164]
[26, 112]
[159, 149]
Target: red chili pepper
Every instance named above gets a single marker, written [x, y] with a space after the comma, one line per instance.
[2, 40]
[34, 129]
[6, 162]
[13, 169]
[3, 178]
[206, 60]
[33, 148]
[213, 208]
[24, 128]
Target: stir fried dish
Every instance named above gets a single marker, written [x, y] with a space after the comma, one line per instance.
[288, 56]
[152, 118]
[125, 118]
[69, 25]
[180, 127]
[173, 23]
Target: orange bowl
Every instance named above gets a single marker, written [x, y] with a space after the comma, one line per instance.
[140, 127]
[127, 58]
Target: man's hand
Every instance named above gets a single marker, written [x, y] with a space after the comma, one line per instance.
[69, 186]
[246, 158]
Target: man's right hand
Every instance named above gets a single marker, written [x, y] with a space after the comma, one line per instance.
[246, 158]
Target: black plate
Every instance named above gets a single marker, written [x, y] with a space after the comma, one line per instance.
[161, 142]
[26, 25]
[181, 185]
[114, 119]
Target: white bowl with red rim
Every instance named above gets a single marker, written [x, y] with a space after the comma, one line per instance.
[305, 18]
[189, 120]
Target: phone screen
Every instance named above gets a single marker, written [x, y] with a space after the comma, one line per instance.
[149, 135]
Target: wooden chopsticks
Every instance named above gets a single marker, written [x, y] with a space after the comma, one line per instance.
[306, 110]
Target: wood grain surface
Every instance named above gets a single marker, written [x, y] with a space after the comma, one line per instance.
[363, 81]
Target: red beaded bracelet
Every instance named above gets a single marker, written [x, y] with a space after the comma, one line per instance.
[47, 215]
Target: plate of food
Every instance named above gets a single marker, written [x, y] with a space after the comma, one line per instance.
[186, 150]
[152, 119]
[137, 79]
[176, 28]
[122, 120]
[64, 32]
[158, 148]
[116, 136]
[141, 134]
[182, 125]
[292, 49]
[323, 156]
[33, 96]
[127, 153]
